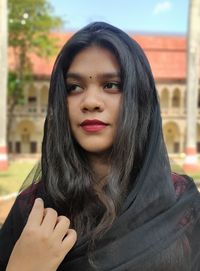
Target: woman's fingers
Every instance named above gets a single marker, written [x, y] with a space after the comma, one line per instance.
[36, 215]
[69, 241]
[61, 227]
[44, 242]
[67, 237]
[53, 226]
[49, 220]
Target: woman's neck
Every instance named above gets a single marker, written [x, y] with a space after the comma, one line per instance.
[100, 165]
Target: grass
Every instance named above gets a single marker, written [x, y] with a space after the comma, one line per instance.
[12, 179]
[178, 169]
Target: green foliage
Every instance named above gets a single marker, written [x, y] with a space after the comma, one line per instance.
[30, 25]
[15, 87]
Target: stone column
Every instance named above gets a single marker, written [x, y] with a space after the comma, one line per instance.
[182, 102]
[3, 84]
[38, 92]
[170, 99]
[193, 57]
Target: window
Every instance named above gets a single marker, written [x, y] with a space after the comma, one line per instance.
[198, 147]
[10, 147]
[18, 147]
[176, 147]
[32, 99]
[33, 146]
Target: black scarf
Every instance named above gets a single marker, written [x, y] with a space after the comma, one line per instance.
[158, 228]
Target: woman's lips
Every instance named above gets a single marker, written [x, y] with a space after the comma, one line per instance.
[93, 125]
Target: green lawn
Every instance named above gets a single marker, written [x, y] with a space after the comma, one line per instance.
[11, 180]
[178, 169]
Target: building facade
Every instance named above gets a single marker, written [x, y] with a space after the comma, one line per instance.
[167, 57]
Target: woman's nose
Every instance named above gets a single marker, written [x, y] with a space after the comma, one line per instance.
[92, 101]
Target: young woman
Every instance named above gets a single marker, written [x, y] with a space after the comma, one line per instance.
[105, 197]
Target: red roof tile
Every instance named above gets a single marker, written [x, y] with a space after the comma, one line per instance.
[166, 54]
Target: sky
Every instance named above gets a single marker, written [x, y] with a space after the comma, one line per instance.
[137, 16]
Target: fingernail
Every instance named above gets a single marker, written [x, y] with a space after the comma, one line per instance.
[38, 201]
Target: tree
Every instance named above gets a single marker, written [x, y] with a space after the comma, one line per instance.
[30, 24]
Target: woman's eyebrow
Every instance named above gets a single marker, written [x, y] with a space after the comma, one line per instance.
[72, 75]
[107, 75]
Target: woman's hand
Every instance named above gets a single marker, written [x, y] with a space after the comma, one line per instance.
[44, 242]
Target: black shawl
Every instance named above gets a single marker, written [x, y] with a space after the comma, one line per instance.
[158, 228]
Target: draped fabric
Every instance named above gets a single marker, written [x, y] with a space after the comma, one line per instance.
[157, 229]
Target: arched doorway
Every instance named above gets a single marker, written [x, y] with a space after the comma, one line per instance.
[176, 98]
[172, 137]
[25, 131]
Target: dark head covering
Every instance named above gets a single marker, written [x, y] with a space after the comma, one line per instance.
[156, 229]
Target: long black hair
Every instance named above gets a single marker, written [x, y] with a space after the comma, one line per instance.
[65, 169]
[142, 216]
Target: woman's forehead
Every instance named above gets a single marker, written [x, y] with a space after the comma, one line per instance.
[95, 60]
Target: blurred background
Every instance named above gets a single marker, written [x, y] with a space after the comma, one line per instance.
[33, 32]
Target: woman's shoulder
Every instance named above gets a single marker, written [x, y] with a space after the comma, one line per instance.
[182, 183]
[31, 192]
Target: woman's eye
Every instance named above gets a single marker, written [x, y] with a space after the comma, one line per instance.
[73, 88]
[112, 86]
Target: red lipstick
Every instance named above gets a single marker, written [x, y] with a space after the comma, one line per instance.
[93, 125]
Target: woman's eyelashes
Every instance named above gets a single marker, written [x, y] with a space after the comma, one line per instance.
[73, 88]
[113, 86]
[108, 86]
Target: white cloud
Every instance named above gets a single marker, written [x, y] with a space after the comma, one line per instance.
[162, 7]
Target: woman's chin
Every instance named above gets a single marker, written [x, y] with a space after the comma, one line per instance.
[97, 149]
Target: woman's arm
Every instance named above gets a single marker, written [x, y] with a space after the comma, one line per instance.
[44, 242]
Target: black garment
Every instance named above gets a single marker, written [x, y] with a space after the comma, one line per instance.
[158, 228]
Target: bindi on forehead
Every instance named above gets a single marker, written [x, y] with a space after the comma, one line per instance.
[90, 77]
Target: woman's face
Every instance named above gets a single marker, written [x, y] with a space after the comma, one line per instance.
[94, 87]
